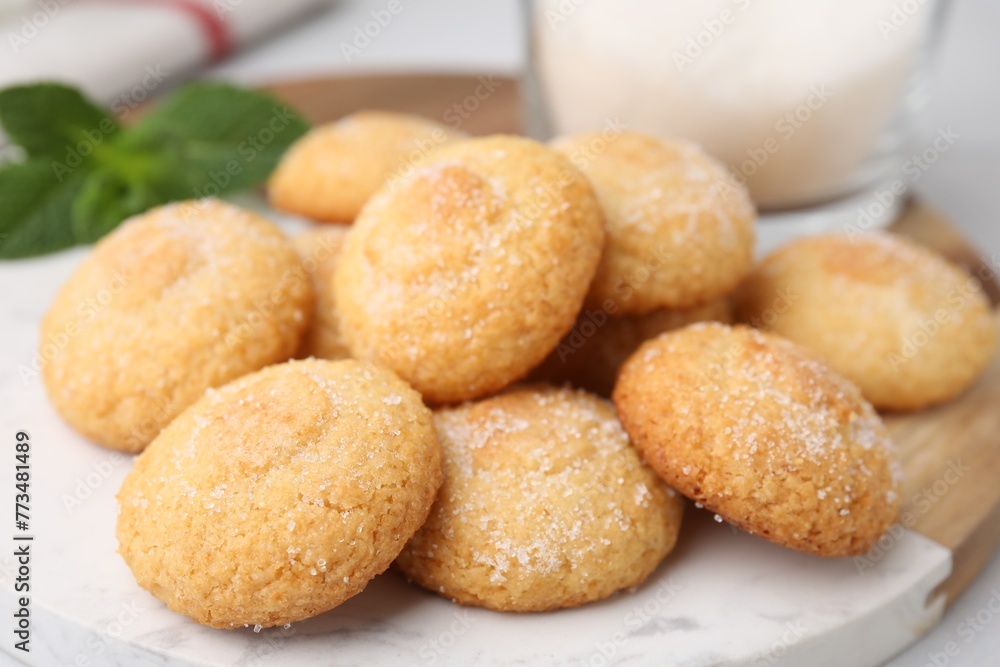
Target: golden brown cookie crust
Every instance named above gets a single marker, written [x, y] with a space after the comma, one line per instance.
[467, 274]
[331, 172]
[907, 327]
[197, 294]
[320, 250]
[545, 505]
[764, 434]
[680, 228]
[280, 495]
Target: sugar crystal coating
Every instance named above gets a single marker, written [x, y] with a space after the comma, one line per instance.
[280, 495]
[764, 434]
[465, 276]
[909, 328]
[680, 228]
[181, 298]
[331, 172]
[545, 505]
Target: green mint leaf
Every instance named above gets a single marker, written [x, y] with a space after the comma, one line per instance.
[223, 138]
[55, 122]
[105, 200]
[84, 174]
[37, 209]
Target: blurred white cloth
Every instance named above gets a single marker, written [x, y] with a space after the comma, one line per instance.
[119, 51]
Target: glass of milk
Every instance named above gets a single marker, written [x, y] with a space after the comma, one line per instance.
[815, 104]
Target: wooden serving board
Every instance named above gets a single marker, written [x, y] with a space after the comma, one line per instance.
[964, 517]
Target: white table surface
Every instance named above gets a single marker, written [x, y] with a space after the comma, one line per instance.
[485, 37]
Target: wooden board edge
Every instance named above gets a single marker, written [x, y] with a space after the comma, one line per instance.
[475, 104]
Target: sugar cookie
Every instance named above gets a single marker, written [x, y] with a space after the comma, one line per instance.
[280, 495]
[320, 249]
[545, 505]
[330, 173]
[466, 275]
[182, 298]
[906, 326]
[766, 435]
[680, 228]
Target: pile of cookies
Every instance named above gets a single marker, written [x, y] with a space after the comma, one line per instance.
[423, 379]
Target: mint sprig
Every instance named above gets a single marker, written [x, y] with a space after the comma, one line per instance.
[47, 120]
[35, 209]
[83, 173]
